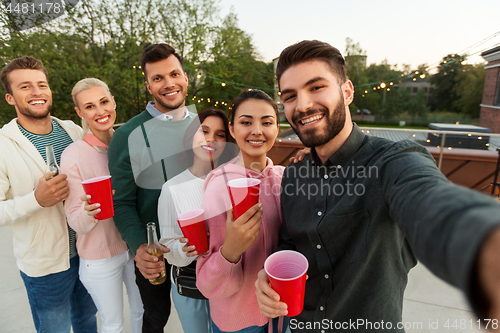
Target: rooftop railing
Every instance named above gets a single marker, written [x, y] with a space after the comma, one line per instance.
[439, 133]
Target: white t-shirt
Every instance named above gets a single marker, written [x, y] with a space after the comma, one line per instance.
[180, 194]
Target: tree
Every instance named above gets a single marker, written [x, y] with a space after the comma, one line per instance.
[355, 62]
[190, 27]
[105, 39]
[469, 89]
[356, 72]
[444, 82]
[234, 60]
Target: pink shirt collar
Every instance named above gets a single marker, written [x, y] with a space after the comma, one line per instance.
[92, 140]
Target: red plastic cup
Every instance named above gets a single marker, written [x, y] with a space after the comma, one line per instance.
[244, 193]
[193, 227]
[287, 275]
[99, 189]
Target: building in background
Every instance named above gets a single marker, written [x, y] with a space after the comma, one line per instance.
[356, 59]
[415, 85]
[490, 104]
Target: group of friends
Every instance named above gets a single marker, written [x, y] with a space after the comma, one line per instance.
[170, 159]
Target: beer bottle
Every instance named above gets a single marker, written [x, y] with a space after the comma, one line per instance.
[154, 248]
[51, 167]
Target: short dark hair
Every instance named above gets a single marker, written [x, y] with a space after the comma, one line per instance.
[187, 155]
[24, 62]
[312, 50]
[252, 94]
[157, 52]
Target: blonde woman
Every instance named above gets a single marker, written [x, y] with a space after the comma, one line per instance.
[105, 262]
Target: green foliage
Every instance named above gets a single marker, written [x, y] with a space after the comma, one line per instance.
[400, 101]
[444, 82]
[234, 60]
[458, 86]
[105, 39]
[381, 72]
[469, 89]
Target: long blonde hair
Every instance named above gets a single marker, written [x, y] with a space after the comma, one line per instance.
[83, 85]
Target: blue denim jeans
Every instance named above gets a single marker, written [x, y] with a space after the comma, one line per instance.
[194, 314]
[258, 329]
[59, 301]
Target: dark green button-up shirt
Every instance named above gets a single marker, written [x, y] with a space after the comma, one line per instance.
[363, 217]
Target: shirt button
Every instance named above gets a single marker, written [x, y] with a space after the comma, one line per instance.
[318, 246]
[326, 276]
[322, 331]
[339, 166]
[320, 213]
[325, 176]
[321, 308]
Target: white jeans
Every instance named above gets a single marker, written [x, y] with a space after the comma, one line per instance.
[104, 280]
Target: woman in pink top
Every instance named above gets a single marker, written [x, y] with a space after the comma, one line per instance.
[105, 262]
[238, 249]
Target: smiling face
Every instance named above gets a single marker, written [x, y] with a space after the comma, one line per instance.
[167, 82]
[314, 101]
[210, 139]
[255, 129]
[31, 94]
[97, 107]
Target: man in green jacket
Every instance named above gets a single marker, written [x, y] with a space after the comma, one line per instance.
[141, 159]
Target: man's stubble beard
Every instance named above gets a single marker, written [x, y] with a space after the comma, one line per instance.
[25, 111]
[169, 107]
[334, 125]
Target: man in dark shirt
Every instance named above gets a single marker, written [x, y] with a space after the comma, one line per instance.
[362, 209]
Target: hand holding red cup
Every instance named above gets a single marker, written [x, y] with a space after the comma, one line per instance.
[193, 227]
[99, 189]
[287, 274]
[244, 194]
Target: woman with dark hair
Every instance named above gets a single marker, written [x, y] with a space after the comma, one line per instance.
[205, 143]
[238, 248]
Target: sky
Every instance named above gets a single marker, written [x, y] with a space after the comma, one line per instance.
[401, 31]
